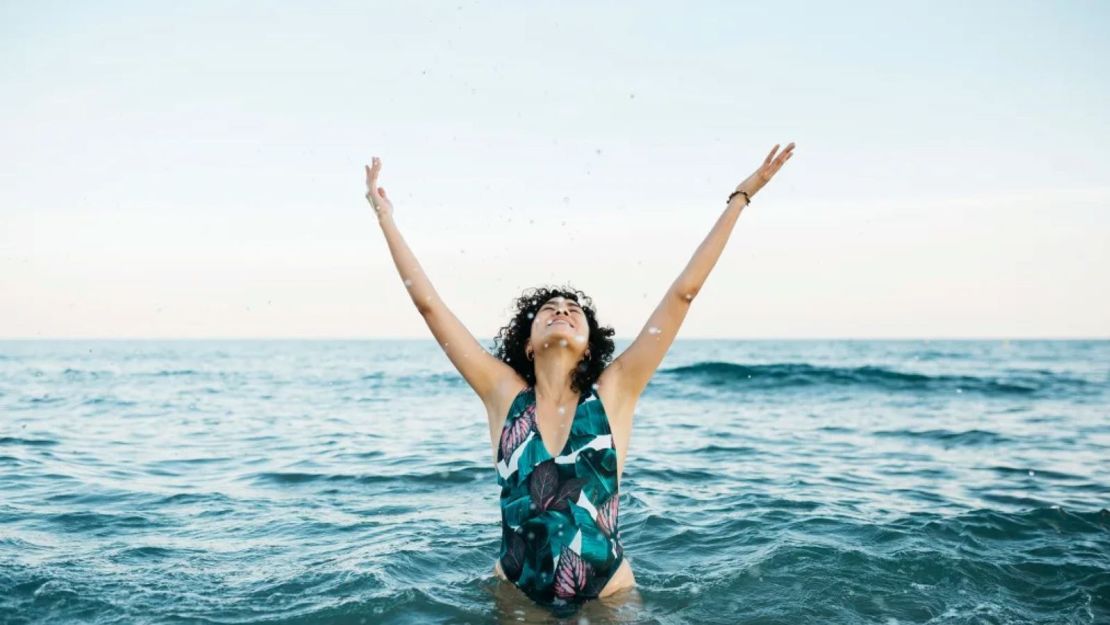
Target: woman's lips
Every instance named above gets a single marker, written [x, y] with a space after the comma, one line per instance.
[561, 321]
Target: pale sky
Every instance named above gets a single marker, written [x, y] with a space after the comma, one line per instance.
[196, 169]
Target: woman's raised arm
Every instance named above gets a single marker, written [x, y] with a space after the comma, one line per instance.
[481, 370]
[634, 367]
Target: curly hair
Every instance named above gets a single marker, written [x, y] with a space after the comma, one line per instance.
[511, 339]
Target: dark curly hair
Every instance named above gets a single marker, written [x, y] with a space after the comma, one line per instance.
[511, 339]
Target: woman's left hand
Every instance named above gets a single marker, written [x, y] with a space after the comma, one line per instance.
[771, 165]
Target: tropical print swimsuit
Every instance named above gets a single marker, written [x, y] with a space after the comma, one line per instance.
[560, 540]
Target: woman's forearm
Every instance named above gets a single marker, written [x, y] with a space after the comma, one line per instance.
[420, 288]
[690, 281]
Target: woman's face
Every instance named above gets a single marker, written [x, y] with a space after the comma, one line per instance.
[560, 323]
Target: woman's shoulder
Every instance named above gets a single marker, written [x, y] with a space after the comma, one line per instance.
[505, 396]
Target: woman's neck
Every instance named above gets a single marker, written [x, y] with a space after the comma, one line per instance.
[555, 388]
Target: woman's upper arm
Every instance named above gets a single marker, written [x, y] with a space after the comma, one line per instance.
[485, 373]
[633, 368]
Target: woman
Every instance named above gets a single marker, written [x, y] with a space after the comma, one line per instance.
[560, 414]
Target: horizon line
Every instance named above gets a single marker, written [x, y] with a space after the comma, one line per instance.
[616, 338]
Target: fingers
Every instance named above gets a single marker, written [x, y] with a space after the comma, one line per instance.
[786, 154]
[778, 164]
[782, 158]
[771, 154]
[372, 173]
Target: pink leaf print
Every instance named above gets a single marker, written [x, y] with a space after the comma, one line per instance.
[570, 574]
[543, 484]
[513, 435]
[607, 515]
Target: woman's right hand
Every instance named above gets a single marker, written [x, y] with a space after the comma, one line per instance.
[375, 194]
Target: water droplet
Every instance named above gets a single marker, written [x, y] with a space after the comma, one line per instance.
[689, 296]
[654, 330]
[408, 282]
[578, 338]
[531, 535]
[564, 410]
[545, 345]
[562, 342]
[959, 390]
[530, 315]
[1030, 472]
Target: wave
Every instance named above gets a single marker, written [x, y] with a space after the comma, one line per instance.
[949, 438]
[787, 375]
[14, 440]
[464, 475]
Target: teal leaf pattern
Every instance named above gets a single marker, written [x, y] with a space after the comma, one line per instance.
[560, 538]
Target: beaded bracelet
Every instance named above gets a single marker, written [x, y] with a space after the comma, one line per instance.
[733, 194]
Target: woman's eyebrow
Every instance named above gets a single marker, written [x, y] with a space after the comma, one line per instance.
[575, 304]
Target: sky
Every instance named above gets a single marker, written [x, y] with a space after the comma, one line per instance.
[195, 170]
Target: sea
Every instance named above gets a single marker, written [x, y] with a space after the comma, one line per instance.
[352, 481]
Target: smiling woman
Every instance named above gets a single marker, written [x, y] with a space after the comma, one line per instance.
[560, 412]
[556, 323]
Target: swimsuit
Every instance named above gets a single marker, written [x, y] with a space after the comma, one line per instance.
[560, 541]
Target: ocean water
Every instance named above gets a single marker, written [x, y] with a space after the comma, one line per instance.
[352, 482]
